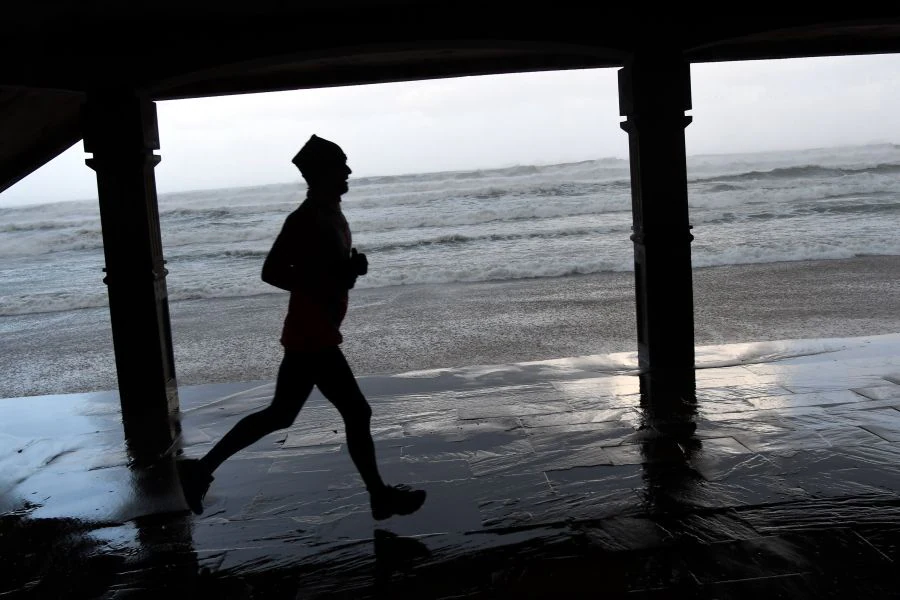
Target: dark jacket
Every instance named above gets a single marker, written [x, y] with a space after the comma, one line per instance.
[310, 258]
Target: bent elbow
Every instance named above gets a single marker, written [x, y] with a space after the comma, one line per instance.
[271, 275]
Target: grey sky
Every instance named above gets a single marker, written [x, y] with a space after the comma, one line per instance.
[495, 121]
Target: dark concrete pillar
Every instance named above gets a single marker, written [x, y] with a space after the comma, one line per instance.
[654, 92]
[120, 131]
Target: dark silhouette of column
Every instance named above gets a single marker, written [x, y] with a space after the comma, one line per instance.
[120, 130]
[654, 93]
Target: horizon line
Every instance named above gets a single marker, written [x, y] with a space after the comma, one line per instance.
[457, 171]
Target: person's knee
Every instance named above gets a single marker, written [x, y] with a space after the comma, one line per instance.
[276, 419]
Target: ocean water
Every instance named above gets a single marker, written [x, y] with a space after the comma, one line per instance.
[502, 224]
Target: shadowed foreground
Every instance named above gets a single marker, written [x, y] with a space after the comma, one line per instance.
[546, 479]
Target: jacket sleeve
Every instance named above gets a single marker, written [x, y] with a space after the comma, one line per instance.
[303, 259]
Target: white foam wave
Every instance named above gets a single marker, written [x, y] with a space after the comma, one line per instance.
[24, 304]
[804, 252]
[468, 226]
[520, 211]
[524, 269]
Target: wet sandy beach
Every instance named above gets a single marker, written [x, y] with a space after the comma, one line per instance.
[403, 328]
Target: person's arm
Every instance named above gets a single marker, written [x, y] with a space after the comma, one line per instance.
[299, 260]
[278, 268]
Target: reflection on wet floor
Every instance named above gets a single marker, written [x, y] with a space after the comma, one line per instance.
[554, 479]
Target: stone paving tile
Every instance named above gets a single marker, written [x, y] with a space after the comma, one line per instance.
[861, 416]
[435, 447]
[505, 462]
[512, 500]
[512, 410]
[451, 428]
[723, 447]
[325, 437]
[778, 441]
[559, 437]
[731, 426]
[806, 399]
[880, 392]
[727, 466]
[807, 417]
[849, 436]
[728, 376]
[740, 394]
[723, 406]
[635, 454]
[601, 402]
[813, 384]
[534, 392]
[890, 434]
[516, 455]
[599, 387]
[578, 417]
[883, 422]
[597, 477]
[865, 405]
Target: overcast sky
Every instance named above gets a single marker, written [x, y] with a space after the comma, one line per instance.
[496, 121]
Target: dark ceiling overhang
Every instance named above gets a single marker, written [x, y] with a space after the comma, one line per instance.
[168, 51]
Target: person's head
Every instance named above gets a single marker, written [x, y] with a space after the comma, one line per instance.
[323, 165]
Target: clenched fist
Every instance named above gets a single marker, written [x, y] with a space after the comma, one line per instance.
[359, 264]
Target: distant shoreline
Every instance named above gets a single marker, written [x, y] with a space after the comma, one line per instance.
[12, 201]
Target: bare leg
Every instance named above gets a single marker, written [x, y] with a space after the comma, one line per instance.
[292, 388]
[327, 369]
[335, 380]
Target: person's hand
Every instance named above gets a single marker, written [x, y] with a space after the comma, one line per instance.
[359, 264]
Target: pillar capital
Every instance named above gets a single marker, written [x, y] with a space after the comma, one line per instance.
[121, 120]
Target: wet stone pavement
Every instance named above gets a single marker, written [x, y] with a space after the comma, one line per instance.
[551, 479]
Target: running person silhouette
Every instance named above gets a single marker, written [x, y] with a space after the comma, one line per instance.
[314, 260]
